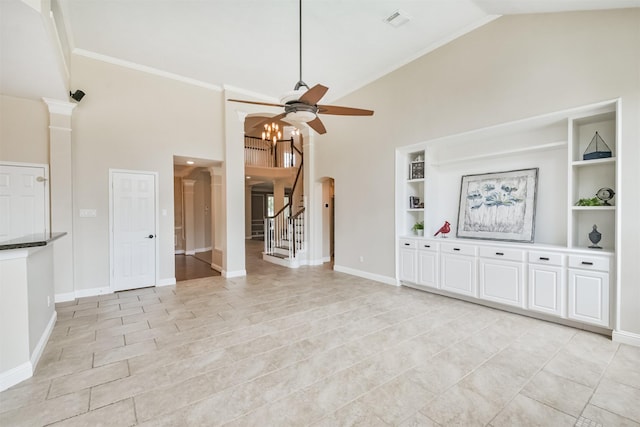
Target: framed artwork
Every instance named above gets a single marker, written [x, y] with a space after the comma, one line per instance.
[417, 170]
[498, 206]
[414, 202]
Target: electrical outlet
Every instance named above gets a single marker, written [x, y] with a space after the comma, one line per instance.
[361, 258]
[48, 301]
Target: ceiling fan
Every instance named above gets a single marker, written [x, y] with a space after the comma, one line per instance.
[300, 105]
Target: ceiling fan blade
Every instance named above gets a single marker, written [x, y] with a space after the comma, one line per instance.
[316, 124]
[256, 103]
[343, 111]
[313, 95]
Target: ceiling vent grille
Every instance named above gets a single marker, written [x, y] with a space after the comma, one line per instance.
[397, 18]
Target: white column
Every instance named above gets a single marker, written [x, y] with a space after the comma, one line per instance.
[313, 197]
[61, 188]
[248, 214]
[233, 192]
[216, 217]
[189, 216]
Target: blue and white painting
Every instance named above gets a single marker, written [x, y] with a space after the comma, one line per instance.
[498, 206]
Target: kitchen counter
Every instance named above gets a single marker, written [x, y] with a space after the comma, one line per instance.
[30, 241]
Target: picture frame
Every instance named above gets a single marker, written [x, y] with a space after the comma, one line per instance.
[414, 202]
[417, 170]
[498, 206]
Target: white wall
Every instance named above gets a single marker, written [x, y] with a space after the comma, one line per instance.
[134, 121]
[515, 67]
[24, 130]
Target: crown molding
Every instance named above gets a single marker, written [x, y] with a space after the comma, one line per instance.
[144, 69]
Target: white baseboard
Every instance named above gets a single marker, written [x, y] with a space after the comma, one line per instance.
[178, 252]
[202, 249]
[166, 282]
[15, 375]
[231, 274]
[189, 252]
[44, 339]
[626, 338]
[81, 293]
[365, 274]
[67, 296]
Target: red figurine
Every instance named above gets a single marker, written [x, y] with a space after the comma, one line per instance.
[444, 229]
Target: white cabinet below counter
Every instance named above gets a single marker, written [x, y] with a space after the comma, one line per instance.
[555, 281]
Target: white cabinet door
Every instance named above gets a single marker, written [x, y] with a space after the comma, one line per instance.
[458, 274]
[502, 281]
[428, 268]
[407, 267]
[547, 289]
[589, 297]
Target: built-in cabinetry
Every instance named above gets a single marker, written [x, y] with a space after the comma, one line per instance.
[560, 282]
[557, 274]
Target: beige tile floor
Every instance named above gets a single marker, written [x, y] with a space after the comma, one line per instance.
[315, 347]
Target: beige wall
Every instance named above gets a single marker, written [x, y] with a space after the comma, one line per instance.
[515, 67]
[133, 121]
[24, 130]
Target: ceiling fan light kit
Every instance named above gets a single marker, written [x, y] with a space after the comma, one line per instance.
[300, 105]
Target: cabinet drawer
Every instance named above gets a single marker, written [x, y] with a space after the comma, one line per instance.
[502, 253]
[427, 246]
[589, 263]
[454, 248]
[408, 243]
[546, 258]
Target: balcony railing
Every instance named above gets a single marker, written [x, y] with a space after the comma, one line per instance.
[258, 152]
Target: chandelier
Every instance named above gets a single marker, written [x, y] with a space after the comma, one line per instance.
[271, 132]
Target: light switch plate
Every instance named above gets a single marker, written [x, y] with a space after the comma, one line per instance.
[88, 213]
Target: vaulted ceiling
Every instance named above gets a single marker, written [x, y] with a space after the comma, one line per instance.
[250, 45]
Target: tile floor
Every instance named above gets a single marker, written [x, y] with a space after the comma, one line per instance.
[315, 347]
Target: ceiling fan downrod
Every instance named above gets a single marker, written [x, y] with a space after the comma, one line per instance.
[300, 82]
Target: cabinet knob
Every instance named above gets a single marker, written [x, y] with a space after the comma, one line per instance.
[407, 244]
[427, 246]
[500, 253]
[456, 249]
[587, 263]
[544, 258]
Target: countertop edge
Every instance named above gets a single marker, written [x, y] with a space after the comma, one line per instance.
[31, 241]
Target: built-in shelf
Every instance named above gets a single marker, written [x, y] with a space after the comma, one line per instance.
[581, 163]
[524, 150]
[593, 208]
[415, 210]
[415, 180]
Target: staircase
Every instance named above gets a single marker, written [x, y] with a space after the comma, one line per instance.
[284, 232]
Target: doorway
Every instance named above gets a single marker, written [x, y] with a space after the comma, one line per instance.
[133, 229]
[328, 220]
[197, 213]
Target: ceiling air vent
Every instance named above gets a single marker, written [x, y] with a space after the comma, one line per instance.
[397, 18]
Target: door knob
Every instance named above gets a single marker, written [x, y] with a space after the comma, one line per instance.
[151, 236]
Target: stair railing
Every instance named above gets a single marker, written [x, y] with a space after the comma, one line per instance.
[285, 226]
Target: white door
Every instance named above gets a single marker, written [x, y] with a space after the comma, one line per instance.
[458, 274]
[133, 227]
[589, 297]
[428, 268]
[546, 289]
[407, 271]
[502, 281]
[23, 204]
